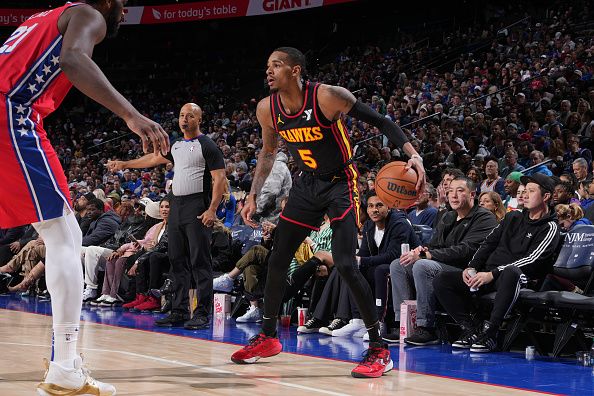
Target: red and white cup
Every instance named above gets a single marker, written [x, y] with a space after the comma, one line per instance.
[302, 316]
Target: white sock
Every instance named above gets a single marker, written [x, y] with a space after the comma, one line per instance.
[64, 279]
[64, 342]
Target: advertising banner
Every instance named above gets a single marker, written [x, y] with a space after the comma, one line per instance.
[197, 11]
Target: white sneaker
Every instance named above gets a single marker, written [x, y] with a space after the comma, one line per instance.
[89, 294]
[223, 283]
[99, 300]
[354, 326]
[108, 301]
[254, 314]
[60, 380]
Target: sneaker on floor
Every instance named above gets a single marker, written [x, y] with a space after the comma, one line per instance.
[422, 336]
[89, 294]
[223, 283]
[354, 326]
[392, 337]
[486, 339]
[382, 332]
[174, 319]
[311, 326]
[140, 298]
[198, 322]
[149, 304]
[99, 300]
[74, 380]
[253, 315]
[376, 362]
[335, 325]
[109, 301]
[468, 337]
[259, 346]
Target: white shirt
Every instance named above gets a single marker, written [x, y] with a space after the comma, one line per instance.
[379, 235]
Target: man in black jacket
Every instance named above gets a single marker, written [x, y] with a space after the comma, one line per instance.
[458, 235]
[8, 238]
[103, 227]
[522, 246]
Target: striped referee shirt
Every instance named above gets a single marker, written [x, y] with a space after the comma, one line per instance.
[194, 159]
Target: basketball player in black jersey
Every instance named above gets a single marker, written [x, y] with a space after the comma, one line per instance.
[307, 116]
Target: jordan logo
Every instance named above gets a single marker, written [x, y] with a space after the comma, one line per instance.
[307, 114]
[279, 121]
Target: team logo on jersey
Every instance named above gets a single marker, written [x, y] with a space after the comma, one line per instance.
[307, 114]
[279, 121]
[300, 135]
[529, 235]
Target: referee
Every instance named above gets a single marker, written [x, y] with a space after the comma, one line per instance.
[198, 162]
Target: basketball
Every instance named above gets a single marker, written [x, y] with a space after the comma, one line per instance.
[395, 185]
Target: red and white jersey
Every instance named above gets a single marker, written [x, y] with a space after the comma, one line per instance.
[30, 63]
[33, 186]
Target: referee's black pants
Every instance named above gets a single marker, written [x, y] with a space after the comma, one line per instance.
[189, 253]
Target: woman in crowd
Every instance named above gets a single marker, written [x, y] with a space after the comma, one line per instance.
[492, 201]
[149, 267]
[116, 262]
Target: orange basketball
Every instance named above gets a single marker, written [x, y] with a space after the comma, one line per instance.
[395, 185]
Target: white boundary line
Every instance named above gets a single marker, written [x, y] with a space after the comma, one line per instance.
[180, 363]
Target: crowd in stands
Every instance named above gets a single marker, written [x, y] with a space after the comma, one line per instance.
[522, 105]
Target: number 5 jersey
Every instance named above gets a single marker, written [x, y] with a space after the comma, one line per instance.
[317, 144]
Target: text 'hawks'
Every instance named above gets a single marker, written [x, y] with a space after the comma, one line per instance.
[299, 135]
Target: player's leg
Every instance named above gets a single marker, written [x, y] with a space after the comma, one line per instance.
[344, 241]
[64, 278]
[287, 238]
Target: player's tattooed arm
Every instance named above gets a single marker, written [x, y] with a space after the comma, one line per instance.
[269, 146]
[334, 100]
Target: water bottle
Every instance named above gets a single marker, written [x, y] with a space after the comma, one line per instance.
[472, 273]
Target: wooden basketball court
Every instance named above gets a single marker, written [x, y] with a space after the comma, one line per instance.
[145, 363]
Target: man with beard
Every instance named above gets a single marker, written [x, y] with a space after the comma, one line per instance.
[40, 61]
[80, 210]
[198, 185]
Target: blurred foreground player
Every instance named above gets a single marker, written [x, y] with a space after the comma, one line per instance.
[307, 116]
[40, 61]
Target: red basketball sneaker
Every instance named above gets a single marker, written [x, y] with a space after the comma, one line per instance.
[375, 363]
[259, 346]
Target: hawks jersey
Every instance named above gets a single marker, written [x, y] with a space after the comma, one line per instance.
[316, 144]
[30, 63]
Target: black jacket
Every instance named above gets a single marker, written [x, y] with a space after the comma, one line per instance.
[454, 242]
[397, 231]
[102, 229]
[29, 235]
[10, 235]
[528, 244]
[133, 225]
